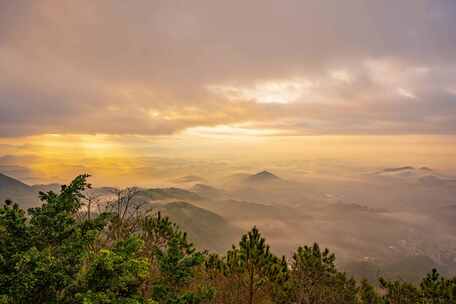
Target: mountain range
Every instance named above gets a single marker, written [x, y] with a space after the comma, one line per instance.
[383, 217]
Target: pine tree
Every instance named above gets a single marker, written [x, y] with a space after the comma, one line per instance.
[176, 262]
[399, 292]
[314, 278]
[48, 250]
[114, 275]
[255, 267]
[438, 290]
[367, 294]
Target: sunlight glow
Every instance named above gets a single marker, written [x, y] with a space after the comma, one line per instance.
[406, 93]
[342, 76]
[226, 130]
[281, 91]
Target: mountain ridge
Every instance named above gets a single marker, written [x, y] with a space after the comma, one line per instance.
[263, 176]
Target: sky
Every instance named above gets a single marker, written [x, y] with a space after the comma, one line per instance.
[126, 87]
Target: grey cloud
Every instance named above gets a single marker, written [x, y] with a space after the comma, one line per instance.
[108, 66]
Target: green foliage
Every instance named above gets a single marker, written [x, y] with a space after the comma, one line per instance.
[434, 289]
[438, 290]
[398, 292]
[115, 276]
[15, 240]
[368, 295]
[251, 271]
[41, 255]
[177, 261]
[314, 278]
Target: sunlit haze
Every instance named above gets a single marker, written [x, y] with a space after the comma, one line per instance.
[128, 91]
[214, 151]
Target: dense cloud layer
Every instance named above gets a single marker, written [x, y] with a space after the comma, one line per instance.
[158, 67]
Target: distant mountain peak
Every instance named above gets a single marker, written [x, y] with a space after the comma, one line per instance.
[426, 169]
[170, 193]
[405, 171]
[263, 176]
[208, 191]
[265, 173]
[189, 179]
[203, 187]
[405, 168]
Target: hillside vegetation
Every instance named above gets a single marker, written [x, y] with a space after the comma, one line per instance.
[65, 252]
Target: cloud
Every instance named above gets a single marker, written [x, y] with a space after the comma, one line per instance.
[160, 67]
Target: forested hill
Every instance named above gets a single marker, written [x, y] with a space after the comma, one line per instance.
[65, 252]
[12, 188]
